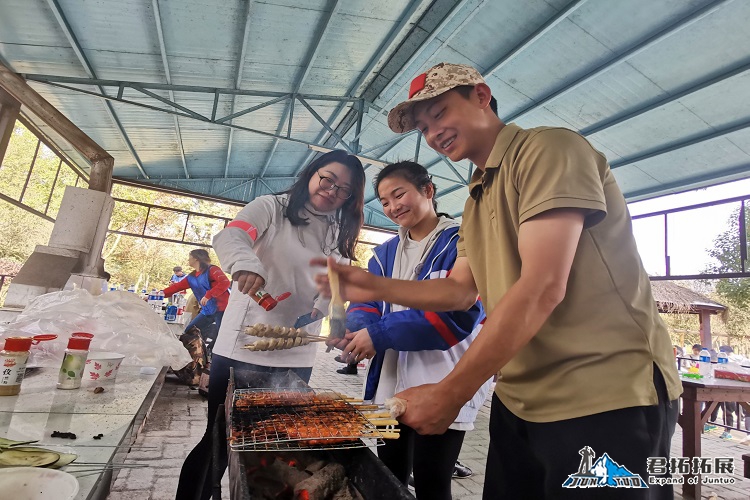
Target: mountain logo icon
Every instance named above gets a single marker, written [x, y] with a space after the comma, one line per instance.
[604, 472]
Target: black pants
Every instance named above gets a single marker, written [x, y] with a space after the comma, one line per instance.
[432, 459]
[195, 478]
[528, 460]
[728, 409]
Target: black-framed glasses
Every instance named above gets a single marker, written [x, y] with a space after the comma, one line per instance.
[342, 193]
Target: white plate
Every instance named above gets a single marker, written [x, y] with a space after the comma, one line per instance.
[34, 483]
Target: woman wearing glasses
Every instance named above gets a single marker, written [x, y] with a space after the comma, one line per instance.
[269, 245]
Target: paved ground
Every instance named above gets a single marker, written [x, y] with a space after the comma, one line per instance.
[178, 418]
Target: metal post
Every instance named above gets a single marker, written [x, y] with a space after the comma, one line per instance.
[52, 189]
[666, 244]
[743, 236]
[360, 114]
[416, 151]
[31, 168]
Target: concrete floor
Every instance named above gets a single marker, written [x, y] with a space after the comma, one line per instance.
[178, 421]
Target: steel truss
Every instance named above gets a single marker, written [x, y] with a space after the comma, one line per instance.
[359, 105]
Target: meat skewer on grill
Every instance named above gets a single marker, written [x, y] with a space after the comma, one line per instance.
[277, 332]
[273, 344]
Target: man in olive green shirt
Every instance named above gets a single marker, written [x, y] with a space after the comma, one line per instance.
[584, 362]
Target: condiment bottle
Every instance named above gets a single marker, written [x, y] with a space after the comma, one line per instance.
[13, 360]
[264, 299]
[74, 362]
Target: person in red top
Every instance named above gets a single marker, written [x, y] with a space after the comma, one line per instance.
[211, 288]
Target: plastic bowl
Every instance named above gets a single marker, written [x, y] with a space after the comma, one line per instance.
[102, 365]
[34, 483]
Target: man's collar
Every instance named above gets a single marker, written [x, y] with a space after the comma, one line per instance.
[502, 143]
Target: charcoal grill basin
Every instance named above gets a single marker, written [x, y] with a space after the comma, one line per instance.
[367, 473]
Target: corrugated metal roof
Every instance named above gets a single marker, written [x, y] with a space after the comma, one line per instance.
[662, 87]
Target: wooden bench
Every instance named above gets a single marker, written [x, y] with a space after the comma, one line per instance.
[746, 459]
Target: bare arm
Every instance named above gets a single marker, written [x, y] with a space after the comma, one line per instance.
[547, 246]
[457, 292]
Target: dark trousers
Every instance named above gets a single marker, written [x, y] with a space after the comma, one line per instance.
[204, 321]
[431, 458]
[528, 460]
[728, 409]
[195, 479]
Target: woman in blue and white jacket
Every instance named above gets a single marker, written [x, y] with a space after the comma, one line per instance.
[411, 347]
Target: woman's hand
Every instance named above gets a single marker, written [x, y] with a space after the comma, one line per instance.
[248, 282]
[339, 343]
[360, 346]
[204, 300]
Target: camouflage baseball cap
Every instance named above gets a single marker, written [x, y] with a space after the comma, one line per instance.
[435, 81]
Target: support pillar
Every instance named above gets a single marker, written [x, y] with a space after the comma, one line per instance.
[705, 328]
[9, 108]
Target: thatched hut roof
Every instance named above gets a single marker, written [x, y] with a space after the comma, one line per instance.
[673, 298]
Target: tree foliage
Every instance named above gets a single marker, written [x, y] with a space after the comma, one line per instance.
[726, 252]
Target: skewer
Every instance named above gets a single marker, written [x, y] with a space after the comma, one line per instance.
[107, 464]
[66, 445]
[277, 332]
[273, 344]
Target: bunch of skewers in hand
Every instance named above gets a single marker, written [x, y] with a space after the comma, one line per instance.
[278, 337]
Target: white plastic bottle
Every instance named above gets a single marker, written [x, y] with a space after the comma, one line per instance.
[723, 361]
[704, 365]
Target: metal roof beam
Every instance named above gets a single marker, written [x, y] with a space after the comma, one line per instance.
[253, 108]
[73, 41]
[531, 39]
[238, 81]
[612, 122]
[98, 82]
[307, 66]
[457, 7]
[369, 68]
[636, 49]
[713, 134]
[165, 63]
[525, 44]
[204, 120]
[686, 184]
[325, 125]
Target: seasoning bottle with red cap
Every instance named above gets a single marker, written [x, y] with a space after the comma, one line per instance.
[13, 360]
[264, 299]
[74, 362]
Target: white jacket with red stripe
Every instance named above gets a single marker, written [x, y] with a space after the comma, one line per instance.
[262, 240]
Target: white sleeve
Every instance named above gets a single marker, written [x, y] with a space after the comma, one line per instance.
[234, 244]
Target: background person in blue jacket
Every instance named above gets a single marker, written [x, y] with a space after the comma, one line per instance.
[410, 347]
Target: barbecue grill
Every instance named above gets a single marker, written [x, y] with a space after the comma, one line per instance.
[262, 426]
[296, 419]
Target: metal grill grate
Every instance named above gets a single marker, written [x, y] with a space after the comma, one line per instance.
[297, 419]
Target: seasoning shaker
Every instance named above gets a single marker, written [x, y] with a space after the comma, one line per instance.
[13, 360]
[266, 301]
[74, 362]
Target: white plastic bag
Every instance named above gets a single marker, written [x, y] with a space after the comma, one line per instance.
[120, 322]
